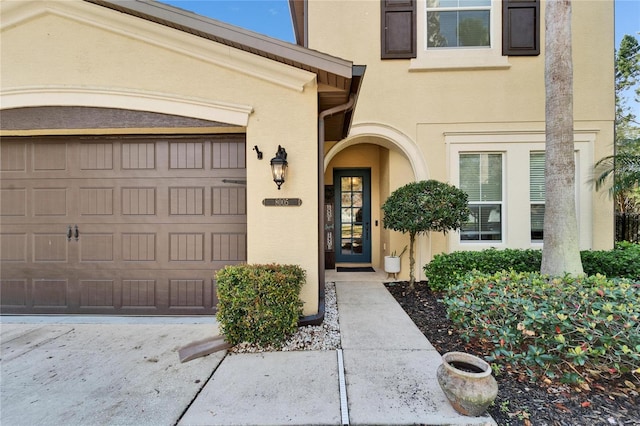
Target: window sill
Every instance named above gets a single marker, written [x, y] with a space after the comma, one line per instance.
[458, 62]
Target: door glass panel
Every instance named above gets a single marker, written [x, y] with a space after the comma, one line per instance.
[356, 183]
[346, 216]
[345, 183]
[356, 199]
[351, 208]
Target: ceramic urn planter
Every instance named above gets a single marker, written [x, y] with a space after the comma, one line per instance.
[467, 382]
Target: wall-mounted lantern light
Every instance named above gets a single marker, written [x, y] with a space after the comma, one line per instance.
[279, 166]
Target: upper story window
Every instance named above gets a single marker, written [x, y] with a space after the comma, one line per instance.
[458, 23]
[458, 34]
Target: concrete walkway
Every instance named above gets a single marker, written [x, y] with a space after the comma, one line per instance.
[129, 374]
[389, 370]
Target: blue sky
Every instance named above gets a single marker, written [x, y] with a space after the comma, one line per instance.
[627, 19]
[270, 17]
[628, 22]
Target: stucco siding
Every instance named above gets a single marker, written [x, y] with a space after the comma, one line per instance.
[427, 101]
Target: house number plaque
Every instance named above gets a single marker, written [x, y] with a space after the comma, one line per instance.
[282, 202]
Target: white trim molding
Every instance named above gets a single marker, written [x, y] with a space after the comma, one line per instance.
[515, 146]
[124, 98]
[388, 137]
[447, 59]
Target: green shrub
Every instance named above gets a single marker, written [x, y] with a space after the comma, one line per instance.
[556, 326]
[259, 303]
[622, 262]
[445, 270]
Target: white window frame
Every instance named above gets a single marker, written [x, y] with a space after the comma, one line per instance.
[531, 202]
[458, 9]
[516, 217]
[436, 59]
[485, 203]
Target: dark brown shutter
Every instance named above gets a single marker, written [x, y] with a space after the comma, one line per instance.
[398, 29]
[521, 27]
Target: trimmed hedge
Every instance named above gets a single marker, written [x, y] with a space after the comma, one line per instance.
[622, 262]
[566, 328]
[259, 303]
[445, 270]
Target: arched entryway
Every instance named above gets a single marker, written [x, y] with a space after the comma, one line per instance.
[386, 159]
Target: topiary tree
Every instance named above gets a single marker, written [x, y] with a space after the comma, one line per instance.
[421, 207]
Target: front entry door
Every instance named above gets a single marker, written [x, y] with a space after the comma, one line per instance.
[353, 218]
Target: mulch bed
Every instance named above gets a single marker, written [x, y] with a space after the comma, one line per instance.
[521, 401]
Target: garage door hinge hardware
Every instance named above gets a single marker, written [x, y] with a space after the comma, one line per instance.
[239, 182]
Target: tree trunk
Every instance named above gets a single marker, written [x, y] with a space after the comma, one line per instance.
[561, 251]
[412, 261]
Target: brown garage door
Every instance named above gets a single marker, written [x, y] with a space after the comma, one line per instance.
[120, 226]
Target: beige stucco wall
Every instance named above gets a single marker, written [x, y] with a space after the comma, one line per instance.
[76, 53]
[505, 97]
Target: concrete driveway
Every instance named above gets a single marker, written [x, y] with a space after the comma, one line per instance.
[97, 374]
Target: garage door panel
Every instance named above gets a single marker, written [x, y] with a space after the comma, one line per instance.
[138, 201]
[138, 155]
[186, 246]
[13, 157]
[49, 247]
[96, 156]
[13, 247]
[50, 201]
[50, 293]
[96, 247]
[97, 293]
[156, 218]
[14, 202]
[229, 247]
[96, 201]
[227, 200]
[138, 247]
[13, 292]
[48, 156]
[138, 293]
[186, 155]
[228, 155]
[188, 293]
[187, 200]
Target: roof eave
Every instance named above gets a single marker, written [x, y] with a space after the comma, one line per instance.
[231, 35]
[299, 20]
